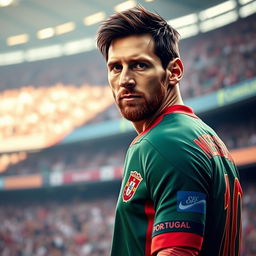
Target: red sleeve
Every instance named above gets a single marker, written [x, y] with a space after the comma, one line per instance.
[176, 240]
[178, 251]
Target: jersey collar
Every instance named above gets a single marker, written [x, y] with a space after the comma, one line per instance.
[168, 110]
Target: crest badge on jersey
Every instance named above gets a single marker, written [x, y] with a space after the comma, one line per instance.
[131, 185]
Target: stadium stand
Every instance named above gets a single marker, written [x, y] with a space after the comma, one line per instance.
[80, 227]
[213, 60]
[220, 60]
[60, 218]
[239, 134]
[40, 91]
[73, 227]
[43, 110]
[249, 220]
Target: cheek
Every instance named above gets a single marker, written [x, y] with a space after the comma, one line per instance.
[113, 80]
[114, 92]
[110, 80]
[111, 83]
[154, 86]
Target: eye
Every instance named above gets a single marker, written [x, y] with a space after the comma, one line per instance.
[116, 68]
[139, 66]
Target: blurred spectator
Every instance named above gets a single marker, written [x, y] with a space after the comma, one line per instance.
[238, 133]
[213, 60]
[220, 58]
[49, 98]
[78, 156]
[249, 220]
[82, 228]
[80, 69]
[75, 228]
[49, 111]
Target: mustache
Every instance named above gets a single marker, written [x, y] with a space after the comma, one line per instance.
[125, 93]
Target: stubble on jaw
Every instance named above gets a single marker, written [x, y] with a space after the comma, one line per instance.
[135, 112]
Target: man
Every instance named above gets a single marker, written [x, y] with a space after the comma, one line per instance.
[180, 193]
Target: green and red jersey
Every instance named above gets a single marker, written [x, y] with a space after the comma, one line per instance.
[180, 188]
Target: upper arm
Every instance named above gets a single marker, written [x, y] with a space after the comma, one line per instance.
[179, 194]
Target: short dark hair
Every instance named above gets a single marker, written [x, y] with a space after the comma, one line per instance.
[138, 21]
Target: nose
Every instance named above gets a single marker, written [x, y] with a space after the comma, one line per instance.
[126, 79]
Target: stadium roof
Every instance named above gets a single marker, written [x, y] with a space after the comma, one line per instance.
[33, 24]
[31, 16]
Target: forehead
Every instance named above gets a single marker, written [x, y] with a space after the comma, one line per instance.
[132, 46]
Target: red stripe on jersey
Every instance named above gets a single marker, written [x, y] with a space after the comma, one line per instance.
[168, 110]
[176, 239]
[178, 251]
[150, 212]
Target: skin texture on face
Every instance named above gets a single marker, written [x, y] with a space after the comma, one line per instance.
[136, 76]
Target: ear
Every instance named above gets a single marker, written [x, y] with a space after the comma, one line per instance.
[175, 71]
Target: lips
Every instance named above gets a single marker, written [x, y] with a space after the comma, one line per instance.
[129, 96]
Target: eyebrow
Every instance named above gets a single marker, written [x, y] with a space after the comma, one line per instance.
[110, 63]
[131, 59]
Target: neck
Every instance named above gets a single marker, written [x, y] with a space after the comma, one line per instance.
[173, 97]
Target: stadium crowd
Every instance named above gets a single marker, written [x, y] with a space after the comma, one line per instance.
[82, 228]
[49, 110]
[249, 220]
[47, 95]
[88, 157]
[66, 158]
[213, 60]
[37, 99]
[53, 96]
[219, 59]
[52, 228]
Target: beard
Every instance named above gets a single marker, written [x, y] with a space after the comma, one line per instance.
[141, 110]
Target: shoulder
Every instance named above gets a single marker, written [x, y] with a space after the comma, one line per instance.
[176, 131]
[173, 141]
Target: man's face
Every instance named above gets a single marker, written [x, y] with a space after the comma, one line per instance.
[136, 76]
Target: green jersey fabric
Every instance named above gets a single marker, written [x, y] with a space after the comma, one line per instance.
[180, 188]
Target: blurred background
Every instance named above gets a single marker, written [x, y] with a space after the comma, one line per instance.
[62, 140]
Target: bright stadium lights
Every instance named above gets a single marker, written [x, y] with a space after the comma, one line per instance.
[184, 20]
[218, 21]
[78, 46]
[217, 10]
[248, 9]
[18, 39]
[45, 33]
[4, 3]
[188, 31]
[243, 2]
[188, 25]
[65, 28]
[94, 18]
[42, 53]
[125, 5]
[11, 58]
